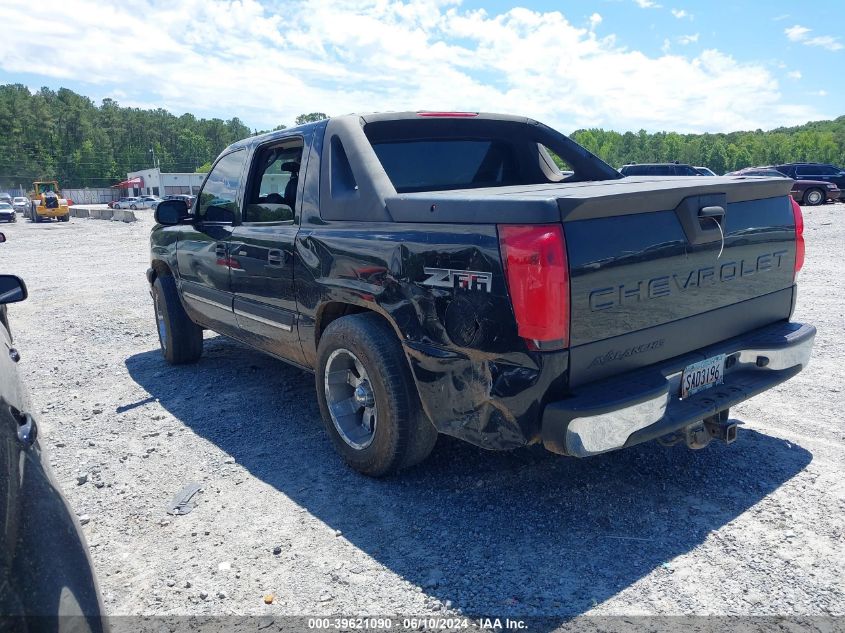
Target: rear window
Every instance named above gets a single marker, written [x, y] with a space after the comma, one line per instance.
[432, 164]
[440, 154]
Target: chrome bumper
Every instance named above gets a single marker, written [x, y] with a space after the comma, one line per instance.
[645, 404]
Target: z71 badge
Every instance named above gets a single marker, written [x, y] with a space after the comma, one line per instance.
[462, 279]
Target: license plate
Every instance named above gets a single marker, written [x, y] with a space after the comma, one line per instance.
[702, 375]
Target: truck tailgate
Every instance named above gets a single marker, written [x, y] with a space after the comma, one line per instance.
[655, 276]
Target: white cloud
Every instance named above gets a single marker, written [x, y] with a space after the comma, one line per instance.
[681, 14]
[647, 4]
[825, 41]
[796, 33]
[238, 58]
[801, 34]
[781, 17]
[688, 39]
[794, 74]
[822, 93]
[595, 20]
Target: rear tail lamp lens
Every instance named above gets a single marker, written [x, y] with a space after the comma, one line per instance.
[534, 257]
[799, 235]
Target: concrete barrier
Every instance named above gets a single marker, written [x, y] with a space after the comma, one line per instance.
[101, 212]
[123, 215]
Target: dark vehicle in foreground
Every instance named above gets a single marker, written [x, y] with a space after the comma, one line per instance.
[809, 192]
[814, 171]
[44, 565]
[439, 274]
[7, 213]
[659, 169]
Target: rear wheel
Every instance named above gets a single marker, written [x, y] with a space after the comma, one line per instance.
[179, 337]
[814, 197]
[367, 398]
[65, 218]
[133, 207]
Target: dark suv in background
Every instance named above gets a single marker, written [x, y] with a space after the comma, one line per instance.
[658, 169]
[809, 192]
[814, 171]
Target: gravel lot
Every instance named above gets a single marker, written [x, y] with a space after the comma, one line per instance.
[754, 528]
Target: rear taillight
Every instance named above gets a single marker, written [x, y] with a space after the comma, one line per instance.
[799, 235]
[534, 257]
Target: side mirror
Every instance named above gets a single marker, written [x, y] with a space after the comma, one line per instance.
[171, 212]
[12, 289]
[2, 237]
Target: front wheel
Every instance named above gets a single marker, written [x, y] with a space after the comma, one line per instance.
[368, 399]
[814, 197]
[179, 337]
[133, 207]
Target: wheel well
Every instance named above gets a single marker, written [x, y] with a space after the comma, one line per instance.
[333, 311]
[160, 269]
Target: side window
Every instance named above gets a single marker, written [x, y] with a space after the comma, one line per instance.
[273, 183]
[218, 200]
[804, 170]
[565, 168]
[824, 170]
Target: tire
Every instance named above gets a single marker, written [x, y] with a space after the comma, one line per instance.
[133, 207]
[814, 197]
[179, 337]
[398, 434]
[65, 218]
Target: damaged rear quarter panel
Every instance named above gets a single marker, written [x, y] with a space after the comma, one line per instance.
[475, 378]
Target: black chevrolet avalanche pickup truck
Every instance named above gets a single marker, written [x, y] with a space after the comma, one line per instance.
[439, 273]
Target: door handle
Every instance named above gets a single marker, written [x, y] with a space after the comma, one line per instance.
[711, 212]
[14, 354]
[27, 428]
[275, 257]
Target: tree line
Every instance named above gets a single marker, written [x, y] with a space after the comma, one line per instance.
[59, 134]
[62, 135]
[818, 141]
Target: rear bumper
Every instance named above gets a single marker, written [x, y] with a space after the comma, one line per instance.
[52, 213]
[643, 405]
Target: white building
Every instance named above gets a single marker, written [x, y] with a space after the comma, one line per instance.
[155, 183]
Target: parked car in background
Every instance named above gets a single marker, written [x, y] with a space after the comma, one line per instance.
[814, 171]
[809, 192]
[127, 203]
[5, 197]
[186, 198]
[705, 171]
[658, 169]
[7, 213]
[146, 202]
[20, 204]
[45, 569]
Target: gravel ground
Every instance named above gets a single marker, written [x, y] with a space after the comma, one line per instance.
[751, 529]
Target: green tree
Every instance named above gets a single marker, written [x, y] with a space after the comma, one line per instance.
[310, 118]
